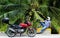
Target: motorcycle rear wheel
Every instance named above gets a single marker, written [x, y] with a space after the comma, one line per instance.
[10, 33]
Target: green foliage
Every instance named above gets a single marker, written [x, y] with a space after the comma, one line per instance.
[16, 9]
[55, 23]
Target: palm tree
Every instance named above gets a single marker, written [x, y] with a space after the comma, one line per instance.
[36, 9]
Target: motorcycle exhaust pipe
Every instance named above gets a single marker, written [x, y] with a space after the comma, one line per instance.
[12, 29]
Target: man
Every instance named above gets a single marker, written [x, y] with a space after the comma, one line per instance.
[45, 24]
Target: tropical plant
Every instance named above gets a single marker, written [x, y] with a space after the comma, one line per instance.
[36, 9]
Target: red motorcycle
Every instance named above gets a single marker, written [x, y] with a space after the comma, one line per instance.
[13, 29]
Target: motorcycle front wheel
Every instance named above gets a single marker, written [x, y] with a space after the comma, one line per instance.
[10, 33]
[31, 32]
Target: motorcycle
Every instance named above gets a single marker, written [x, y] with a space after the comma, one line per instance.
[13, 29]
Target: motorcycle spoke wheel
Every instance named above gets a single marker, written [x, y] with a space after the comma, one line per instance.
[31, 33]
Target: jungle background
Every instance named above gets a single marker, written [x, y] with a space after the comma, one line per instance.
[17, 10]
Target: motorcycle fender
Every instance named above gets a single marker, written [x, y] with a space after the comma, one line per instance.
[12, 29]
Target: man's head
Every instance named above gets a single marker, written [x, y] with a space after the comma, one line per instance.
[48, 18]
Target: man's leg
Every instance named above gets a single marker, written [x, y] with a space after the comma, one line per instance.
[43, 29]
